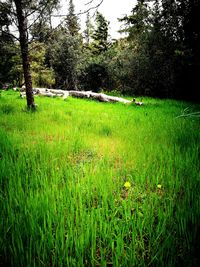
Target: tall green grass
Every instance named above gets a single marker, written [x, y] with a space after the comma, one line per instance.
[62, 174]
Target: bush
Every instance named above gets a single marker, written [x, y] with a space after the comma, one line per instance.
[94, 76]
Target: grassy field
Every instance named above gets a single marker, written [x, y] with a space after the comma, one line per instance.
[84, 183]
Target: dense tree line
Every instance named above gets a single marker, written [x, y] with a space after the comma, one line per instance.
[160, 55]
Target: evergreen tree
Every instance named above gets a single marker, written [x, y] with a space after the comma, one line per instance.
[7, 45]
[65, 61]
[67, 52]
[138, 23]
[40, 31]
[181, 24]
[72, 20]
[100, 36]
[88, 30]
[42, 76]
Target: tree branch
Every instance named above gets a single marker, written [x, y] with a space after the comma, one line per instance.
[90, 2]
[10, 34]
[41, 12]
[83, 12]
[91, 8]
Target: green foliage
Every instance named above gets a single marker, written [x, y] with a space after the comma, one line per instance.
[42, 76]
[94, 77]
[138, 23]
[101, 184]
[100, 35]
[40, 31]
[183, 18]
[10, 60]
[65, 60]
[88, 32]
[155, 33]
[65, 51]
[159, 56]
[72, 21]
[8, 49]
[16, 69]
[5, 21]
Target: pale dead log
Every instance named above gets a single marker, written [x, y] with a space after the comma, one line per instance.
[100, 97]
[114, 99]
[80, 94]
[22, 94]
[48, 94]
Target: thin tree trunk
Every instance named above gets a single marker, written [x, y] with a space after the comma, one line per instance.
[22, 25]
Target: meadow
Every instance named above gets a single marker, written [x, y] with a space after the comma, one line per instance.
[84, 183]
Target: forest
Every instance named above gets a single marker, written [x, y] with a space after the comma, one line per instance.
[99, 137]
[159, 55]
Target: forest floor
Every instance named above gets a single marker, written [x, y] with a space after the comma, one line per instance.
[84, 183]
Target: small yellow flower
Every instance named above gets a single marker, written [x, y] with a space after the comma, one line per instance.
[127, 185]
[159, 186]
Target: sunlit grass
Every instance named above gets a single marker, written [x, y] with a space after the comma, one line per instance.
[94, 184]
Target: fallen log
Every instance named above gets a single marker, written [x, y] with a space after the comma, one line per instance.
[98, 96]
[47, 92]
[80, 94]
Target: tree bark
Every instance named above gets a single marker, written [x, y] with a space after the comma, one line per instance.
[23, 34]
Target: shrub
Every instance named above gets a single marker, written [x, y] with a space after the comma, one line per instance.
[94, 77]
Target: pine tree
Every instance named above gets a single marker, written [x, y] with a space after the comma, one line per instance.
[100, 35]
[72, 20]
[138, 22]
[88, 30]
[8, 47]
[67, 52]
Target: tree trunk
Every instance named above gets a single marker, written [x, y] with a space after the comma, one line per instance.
[23, 34]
